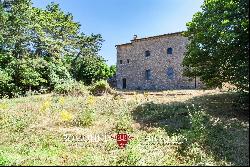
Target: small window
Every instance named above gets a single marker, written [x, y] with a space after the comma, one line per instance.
[120, 61]
[148, 75]
[147, 53]
[169, 51]
[127, 60]
[170, 72]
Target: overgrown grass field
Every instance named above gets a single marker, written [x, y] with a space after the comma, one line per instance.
[191, 127]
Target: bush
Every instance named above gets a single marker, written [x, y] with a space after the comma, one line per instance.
[7, 87]
[85, 118]
[91, 68]
[100, 88]
[4, 82]
[71, 87]
[3, 160]
[56, 73]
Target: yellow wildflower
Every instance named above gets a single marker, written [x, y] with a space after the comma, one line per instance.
[61, 100]
[90, 100]
[45, 105]
[66, 116]
[3, 106]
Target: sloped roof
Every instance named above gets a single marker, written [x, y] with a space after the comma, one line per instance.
[151, 37]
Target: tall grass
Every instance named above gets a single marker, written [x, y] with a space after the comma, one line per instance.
[202, 130]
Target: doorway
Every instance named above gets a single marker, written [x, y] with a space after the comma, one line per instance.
[124, 84]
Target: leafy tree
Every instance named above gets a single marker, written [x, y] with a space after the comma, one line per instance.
[4, 82]
[90, 69]
[56, 72]
[54, 33]
[87, 57]
[112, 70]
[29, 73]
[16, 19]
[44, 47]
[219, 46]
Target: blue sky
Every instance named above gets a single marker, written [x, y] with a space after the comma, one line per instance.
[118, 20]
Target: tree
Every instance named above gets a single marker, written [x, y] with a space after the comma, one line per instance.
[29, 73]
[54, 33]
[16, 16]
[90, 69]
[112, 70]
[219, 46]
[40, 47]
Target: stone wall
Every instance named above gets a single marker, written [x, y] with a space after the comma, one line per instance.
[135, 63]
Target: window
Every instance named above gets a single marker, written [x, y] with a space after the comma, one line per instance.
[120, 61]
[169, 51]
[148, 75]
[127, 60]
[170, 72]
[147, 53]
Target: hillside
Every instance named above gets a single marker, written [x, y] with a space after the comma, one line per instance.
[173, 128]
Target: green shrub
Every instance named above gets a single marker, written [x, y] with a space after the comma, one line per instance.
[7, 88]
[15, 123]
[85, 118]
[56, 73]
[100, 88]
[71, 87]
[91, 68]
[3, 160]
[129, 157]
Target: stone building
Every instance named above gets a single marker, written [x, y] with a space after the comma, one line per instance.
[153, 63]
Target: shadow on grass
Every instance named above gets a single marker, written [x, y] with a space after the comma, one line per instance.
[219, 123]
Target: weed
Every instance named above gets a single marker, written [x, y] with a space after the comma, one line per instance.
[85, 118]
[66, 116]
[3, 160]
[166, 130]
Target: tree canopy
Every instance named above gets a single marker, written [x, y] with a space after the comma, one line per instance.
[43, 47]
[219, 45]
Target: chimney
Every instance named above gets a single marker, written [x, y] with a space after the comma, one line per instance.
[135, 37]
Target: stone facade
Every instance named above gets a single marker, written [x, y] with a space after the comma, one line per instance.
[164, 70]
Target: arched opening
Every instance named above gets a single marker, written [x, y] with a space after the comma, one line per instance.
[169, 51]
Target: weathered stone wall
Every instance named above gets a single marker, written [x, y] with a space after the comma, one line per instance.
[157, 62]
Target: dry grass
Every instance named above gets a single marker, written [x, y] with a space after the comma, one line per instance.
[210, 128]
